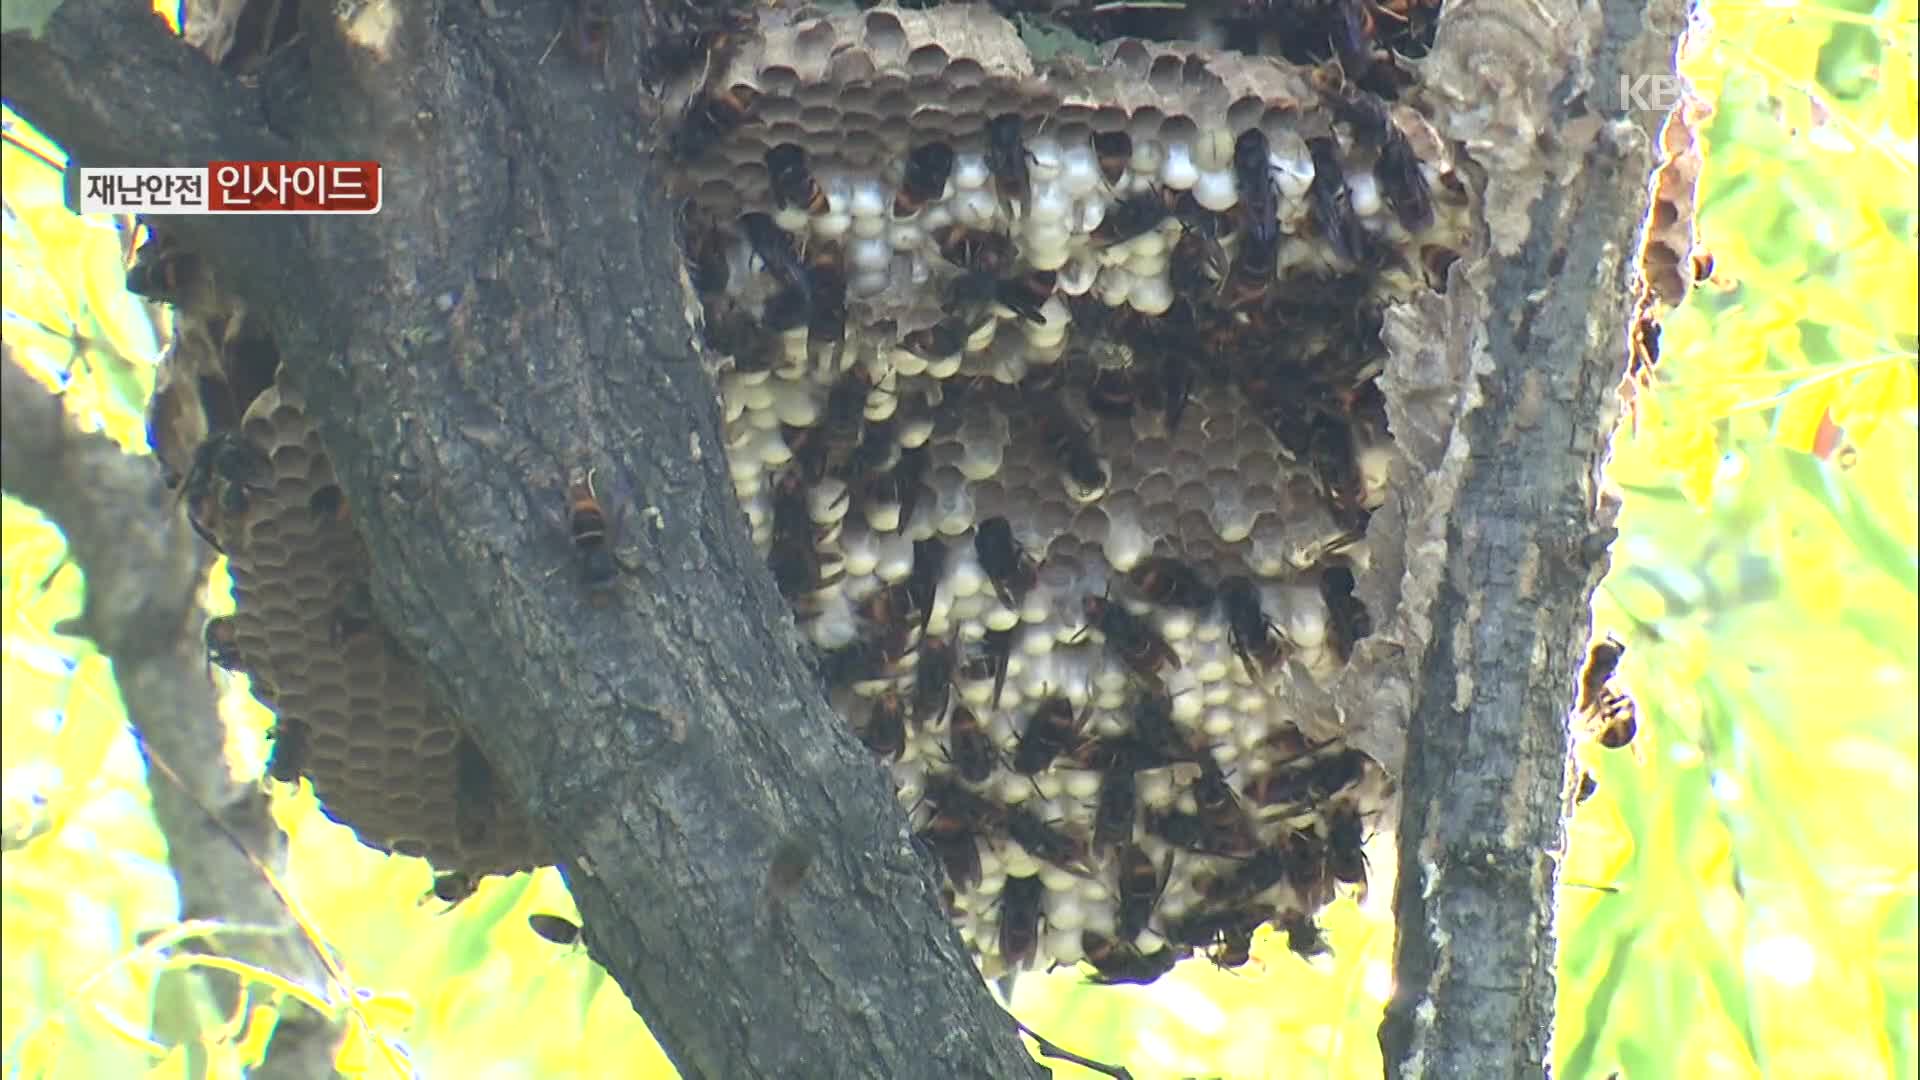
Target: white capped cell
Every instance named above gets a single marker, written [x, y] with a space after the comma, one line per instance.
[1178, 170]
[1151, 295]
[871, 253]
[792, 218]
[1364, 193]
[1044, 158]
[1078, 275]
[1079, 169]
[905, 236]
[1216, 191]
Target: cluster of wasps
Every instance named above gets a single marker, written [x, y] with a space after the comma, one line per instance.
[1264, 847]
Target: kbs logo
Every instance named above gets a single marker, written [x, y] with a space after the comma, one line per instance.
[1651, 93]
[235, 187]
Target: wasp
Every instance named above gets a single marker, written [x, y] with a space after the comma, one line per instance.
[775, 250]
[1006, 563]
[1114, 151]
[707, 267]
[929, 562]
[227, 469]
[710, 117]
[1115, 962]
[1313, 778]
[892, 610]
[837, 440]
[792, 182]
[1133, 216]
[958, 854]
[1259, 206]
[223, 643]
[587, 521]
[1255, 640]
[1171, 583]
[998, 653]
[1112, 393]
[554, 928]
[1268, 867]
[1026, 294]
[1139, 887]
[1192, 832]
[1608, 712]
[289, 758]
[907, 475]
[1219, 807]
[1235, 947]
[1588, 785]
[826, 297]
[886, 730]
[792, 556]
[166, 274]
[1007, 157]
[1113, 815]
[1303, 936]
[1154, 729]
[1346, 850]
[1330, 452]
[851, 663]
[956, 810]
[1619, 719]
[1348, 621]
[877, 451]
[1132, 638]
[1042, 840]
[925, 178]
[1603, 660]
[1329, 208]
[452, 888]
[1217, 925]
[1402, 183]
[1083, 472]
[988, 253]
[969, 746]
[932, 679]
[1051, 731]
[1020, 920]
[1199, 263]
[937, 342]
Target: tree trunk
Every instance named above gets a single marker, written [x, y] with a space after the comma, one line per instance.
[516, 312]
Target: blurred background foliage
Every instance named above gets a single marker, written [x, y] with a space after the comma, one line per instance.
[1740, 895]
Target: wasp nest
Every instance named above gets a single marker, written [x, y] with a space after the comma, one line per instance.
[1052, 405]
[353, 711]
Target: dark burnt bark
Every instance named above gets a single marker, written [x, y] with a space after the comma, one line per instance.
[517, 311]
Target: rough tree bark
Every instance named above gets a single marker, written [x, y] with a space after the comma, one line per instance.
[1533, 91]
[517, 310]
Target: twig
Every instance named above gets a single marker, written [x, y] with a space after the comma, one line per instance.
[1048, 1049]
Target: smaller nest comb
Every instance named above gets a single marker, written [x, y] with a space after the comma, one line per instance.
[353, 712]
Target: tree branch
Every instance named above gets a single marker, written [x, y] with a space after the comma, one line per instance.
[512, 314]
[1539, 331]
[143, 572]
